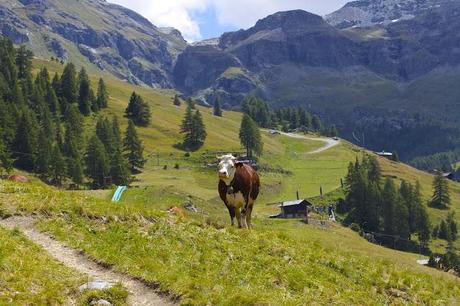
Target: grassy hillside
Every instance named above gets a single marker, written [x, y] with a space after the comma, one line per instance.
[198, 257]
[278, 263]
[309, 172]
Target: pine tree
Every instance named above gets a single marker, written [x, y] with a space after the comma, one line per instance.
[84, 88]
[69, 84]
[316, 124]
[116, 132]
[133, 148]
[441, 195]
[138, 111]
[389, 199]
[58, 166]
[250, 137]
[176, 100]
[74, 121]
[452, 225]
[444, 231]
[217, 111]
[25, 143]
[119, 169]
[102, 95]
[104, 130]
[74, 159]
[199, 130]
[97, 162]
[6, 162]
[190, 103]
[395, 156]
[44, 158]
[24, 62]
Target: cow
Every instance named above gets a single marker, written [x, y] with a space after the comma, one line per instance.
[239, 186]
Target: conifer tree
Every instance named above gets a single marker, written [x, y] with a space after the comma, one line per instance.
[190, 103]
[199, 130]
[25, 143]
[57, 166]
[133, 149]
[250, 137]
[119, 169]
[138, 111]
[97, 162]
[44, 158]
[217, 111]
[6, 163]
[74, 159]
[102, 95]
[69, 84]
[441, 195]
[104, 130]
[84, 95]
[75, 121]
[24, 62]
[316, 124]
[116, 132]
[389, 199]
[176, 100]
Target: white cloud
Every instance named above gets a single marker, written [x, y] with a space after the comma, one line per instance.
[180, 14]
[170, 13]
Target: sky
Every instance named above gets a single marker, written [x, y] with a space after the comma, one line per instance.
[202, 19]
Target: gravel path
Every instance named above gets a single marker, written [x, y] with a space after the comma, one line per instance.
[139, 293]
[330, 143]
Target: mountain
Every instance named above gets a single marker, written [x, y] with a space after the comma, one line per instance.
[389, 83]
[393, 82]
[365, 13]
[96, 34]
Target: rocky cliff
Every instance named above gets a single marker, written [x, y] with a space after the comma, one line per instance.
[94, 33]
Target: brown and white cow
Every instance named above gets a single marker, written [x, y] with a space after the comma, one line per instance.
[238, 187]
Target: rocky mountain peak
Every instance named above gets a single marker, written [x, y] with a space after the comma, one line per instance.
[363, 13]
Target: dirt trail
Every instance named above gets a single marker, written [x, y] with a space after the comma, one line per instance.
[139, 293]
[330, 143]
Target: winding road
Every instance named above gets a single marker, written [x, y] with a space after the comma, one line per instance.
[329, 142]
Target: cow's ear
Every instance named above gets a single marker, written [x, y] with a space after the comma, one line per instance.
[238, 164]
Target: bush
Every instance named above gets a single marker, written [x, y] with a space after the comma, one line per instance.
[165, 167]
[176, 166]
[355, 227]
[187, 154]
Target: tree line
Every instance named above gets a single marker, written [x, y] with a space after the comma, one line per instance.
[42, 124]
[288, 118]
[395, 211]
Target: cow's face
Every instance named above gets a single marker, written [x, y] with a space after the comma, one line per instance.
[226, 168]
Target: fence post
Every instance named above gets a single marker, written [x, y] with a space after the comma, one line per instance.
[321, 190]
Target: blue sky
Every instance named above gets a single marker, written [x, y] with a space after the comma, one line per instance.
[201, 19]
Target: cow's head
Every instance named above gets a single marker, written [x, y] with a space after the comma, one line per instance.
[226, 167]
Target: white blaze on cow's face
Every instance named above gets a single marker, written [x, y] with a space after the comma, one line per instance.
[226, 168]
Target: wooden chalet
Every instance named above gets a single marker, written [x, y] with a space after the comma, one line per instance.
[293, 209]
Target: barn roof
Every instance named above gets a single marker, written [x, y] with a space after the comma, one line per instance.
[293, 203]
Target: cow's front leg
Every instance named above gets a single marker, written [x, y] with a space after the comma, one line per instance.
[231, 210]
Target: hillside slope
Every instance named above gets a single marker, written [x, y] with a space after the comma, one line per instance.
[198, 258]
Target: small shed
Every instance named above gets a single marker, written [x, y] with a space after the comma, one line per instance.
[293, 209]
[388, 155]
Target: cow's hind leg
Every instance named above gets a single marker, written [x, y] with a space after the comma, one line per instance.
[241, 218]
[249, 215]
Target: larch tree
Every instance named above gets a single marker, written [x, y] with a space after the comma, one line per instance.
[84, 93]
[133, 150]
[102, 94]
[97, 162]
[250, 137]
[217, 111]
[441, 195]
